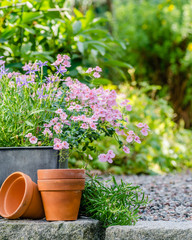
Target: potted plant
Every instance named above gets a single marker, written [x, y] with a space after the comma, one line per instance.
[26, 101]
[64, 113]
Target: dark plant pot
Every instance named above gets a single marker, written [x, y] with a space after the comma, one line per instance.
[28, 160]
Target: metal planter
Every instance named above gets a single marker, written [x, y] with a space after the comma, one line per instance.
[28, 160]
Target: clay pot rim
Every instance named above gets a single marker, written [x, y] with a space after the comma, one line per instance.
[46, 174]
[27, 196]
[61, 184]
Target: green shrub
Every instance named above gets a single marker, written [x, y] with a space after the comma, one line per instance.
[159, 39]
[112, 203]
[40, 30]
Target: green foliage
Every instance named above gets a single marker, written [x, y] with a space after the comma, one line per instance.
[159, 39]
[43, 29]
[167, 147]
[112, 203]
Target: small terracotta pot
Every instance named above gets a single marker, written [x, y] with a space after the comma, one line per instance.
[20, 198]
[61, 191]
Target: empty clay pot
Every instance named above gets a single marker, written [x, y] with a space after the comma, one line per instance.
[20, 198]
[61, 191]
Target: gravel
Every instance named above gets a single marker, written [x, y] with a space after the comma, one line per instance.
[170, 195]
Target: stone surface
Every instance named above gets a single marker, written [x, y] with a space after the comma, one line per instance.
[89, 229]
[82, 229]
[151, 230]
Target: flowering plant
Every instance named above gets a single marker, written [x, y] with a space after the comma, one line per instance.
[63, 112]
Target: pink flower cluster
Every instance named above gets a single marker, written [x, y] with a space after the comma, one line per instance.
[144, 130]
[107, 157]
[88, 109]
[32, 139]
[95, 71]
[58, 144]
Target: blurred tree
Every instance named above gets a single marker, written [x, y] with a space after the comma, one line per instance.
[159, 35]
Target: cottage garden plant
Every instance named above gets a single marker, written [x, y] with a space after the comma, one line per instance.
[56, 110]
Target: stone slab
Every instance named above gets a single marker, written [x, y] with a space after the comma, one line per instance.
[82, 229]
[151, 230]
[89, 229]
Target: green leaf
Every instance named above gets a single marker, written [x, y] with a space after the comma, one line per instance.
[36, 111]
[7, 49]
[101, 81]
[100, 49]
[8, 33]
[94, 42]
[117, 63]
[76, 27]
[39, 26]
[25, 49]
[80, 47]
[78, 14]
[29, 123]
[28, 17]
[44, 55]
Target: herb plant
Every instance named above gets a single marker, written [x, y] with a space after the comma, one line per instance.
[112, 203]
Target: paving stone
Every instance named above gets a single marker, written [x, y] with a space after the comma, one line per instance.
[151, 230]
[82, 229]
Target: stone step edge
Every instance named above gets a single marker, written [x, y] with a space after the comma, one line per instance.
[89, 229]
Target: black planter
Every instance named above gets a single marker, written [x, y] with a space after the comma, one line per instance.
[28, 160]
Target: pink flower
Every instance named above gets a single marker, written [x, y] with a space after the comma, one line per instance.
[126, 149]
[102, 157]
[93, 126]
[9, 75]
[144, 131]
[47, 125]
[140, 125]
[109, 160]
[57, 129]
[2, 62]
[33, 140]
[63, 116]
[96, 75]
[66, 57]
[137, 139]
[57, 140]
[57, 146]
[124, 103]
[98, 69]
[66, 63]
[129, 107]
[54, 120]
[131, 133]
[29, 135]
[59, 111]
[129, 138]
[90, 157]
[89, 70]
[65, 145]
[111, 154]
[84, 126]
[46, 131]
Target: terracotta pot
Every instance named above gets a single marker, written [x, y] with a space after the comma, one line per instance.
[61, 191]
[20, 198]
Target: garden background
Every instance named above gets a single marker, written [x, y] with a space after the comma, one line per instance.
[145, 50]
